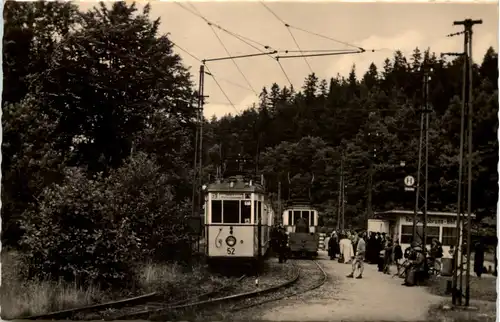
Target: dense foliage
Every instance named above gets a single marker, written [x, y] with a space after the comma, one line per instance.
[374, 123]
[98, 138]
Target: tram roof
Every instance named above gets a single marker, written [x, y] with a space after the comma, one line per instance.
[299, 203]
[238, 186]
[396, 212]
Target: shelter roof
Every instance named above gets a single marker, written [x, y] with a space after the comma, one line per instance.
[396, 212]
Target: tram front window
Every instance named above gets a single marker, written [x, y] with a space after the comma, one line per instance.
[231, 211]
[216, 211]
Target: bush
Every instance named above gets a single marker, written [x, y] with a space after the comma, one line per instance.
[94, 230]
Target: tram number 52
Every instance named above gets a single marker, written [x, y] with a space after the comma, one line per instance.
[230, 251]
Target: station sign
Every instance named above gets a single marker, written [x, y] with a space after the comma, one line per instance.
[409, 183]
[435, 221]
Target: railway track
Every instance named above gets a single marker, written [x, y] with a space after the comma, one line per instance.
[169, 313]
[312, 276]
[306, 276]
[136, 306]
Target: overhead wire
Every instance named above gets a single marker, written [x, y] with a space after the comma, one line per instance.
[222, 44]
[210, 74]
[222, 90]
[290, 32]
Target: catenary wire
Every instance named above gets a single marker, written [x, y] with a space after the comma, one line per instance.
[244, 39]
[222, 44]
[289, 31]
[210, 74]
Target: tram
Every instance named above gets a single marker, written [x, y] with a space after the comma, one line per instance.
[300, 220]
[238, 221]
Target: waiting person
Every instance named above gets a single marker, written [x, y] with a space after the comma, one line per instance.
[451, 251]
[346, 249]
[387, 255]
[358, 262]
[282, 242]
[415, 267]
[370, 248]
[478, 258]
[354, 239]
[436, 254]
[333, 245]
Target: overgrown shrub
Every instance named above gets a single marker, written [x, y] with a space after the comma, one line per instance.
[96, 229]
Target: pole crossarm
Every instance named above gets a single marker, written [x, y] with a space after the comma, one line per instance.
[239, 56]
[324, 54]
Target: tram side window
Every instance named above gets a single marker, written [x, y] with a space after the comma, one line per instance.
[246, 211]
[290, 217]
[305, 215]
[231, 211]
[257, 205]
[449, 236]
[216, 211]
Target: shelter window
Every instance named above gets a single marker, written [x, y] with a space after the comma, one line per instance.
[432, 232]
[290, 217]
[449, 236]
[216, 211]
[231, 211]
[246, 211]
[406, 234]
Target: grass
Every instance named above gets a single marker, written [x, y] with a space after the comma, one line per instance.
[23, 298]
[486, 312]
[483, 296]
[482, 289]
[20, 298]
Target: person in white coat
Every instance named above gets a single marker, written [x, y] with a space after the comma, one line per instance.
[346, 249]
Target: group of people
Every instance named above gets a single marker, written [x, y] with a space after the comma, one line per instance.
[355, 247]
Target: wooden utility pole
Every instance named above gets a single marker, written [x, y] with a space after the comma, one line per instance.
[423, 164]
[198, 147]
[279, 203]
[466, 108]
[340, 210]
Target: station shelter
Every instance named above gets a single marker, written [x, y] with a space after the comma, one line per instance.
[399, 225]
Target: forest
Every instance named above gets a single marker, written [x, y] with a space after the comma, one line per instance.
[98, 138]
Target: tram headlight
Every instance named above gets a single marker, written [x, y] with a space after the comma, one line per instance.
[230, 241]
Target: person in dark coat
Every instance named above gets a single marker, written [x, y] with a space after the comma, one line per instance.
[478, 258]
[333, 246]
[282, 244]
[370, 248]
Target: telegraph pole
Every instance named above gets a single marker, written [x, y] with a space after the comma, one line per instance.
[279, 202]
[198, 147]
[339, 210]
[466, 108]
[343, 199]
[423, 163]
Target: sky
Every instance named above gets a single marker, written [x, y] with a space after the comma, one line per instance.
[384, 27]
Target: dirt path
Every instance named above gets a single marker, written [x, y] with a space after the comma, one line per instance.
[375, 297]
